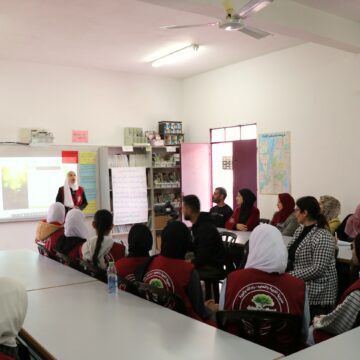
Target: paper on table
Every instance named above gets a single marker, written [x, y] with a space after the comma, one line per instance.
[130, 203]
[343, 243]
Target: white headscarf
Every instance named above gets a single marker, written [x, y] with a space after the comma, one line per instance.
[56, 213]
[13, 306]
[267, 251]
[68, 200]
[75, 224]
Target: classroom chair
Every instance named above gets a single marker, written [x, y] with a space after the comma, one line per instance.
[44, 251]
[277, 331]
[90, 269]
[117, 251]
[67, 260]
[160, 296]
[264, 221]
[212, 281]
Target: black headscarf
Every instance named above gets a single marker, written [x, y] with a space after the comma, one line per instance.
[249, 199]
[357, 246]
[140, 240]
[175, 240]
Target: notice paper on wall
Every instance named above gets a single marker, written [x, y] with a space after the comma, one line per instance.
[87, 177]
[80, 136]
[130, 203]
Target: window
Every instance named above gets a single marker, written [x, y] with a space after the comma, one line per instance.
[218, 135]
[233, 133]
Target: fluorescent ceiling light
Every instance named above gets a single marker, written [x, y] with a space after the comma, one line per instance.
[253, 6]
[176, 56]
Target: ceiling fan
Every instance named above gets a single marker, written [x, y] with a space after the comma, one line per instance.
[234, 20]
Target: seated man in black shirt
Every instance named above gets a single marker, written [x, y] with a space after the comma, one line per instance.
[222, 212]
[207, 244]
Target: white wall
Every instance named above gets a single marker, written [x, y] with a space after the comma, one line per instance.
[62, 98]
[310, 90]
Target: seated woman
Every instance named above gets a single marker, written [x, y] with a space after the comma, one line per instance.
[75, 234]
[170, 271]
[330, 208]
[140, 242]
[352, 227]
[312, 256]
[347, 313]
[285, 219]
[265, 266]
[96, 248]
[246, 216]
[13, 306]
[50, 230]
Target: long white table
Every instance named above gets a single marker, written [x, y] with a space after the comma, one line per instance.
[85, 322]
[35, 271]
[344, 346]
[243, 237]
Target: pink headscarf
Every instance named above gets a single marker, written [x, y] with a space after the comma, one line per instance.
[352, 227]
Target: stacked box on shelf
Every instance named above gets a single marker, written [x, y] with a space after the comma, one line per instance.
[133, 136]
[171, 132]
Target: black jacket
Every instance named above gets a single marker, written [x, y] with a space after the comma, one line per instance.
[207, 243]
[66, 244]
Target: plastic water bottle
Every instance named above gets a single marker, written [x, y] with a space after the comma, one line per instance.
[112, 279]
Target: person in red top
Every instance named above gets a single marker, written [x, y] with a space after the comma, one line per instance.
[13, 306]
[71, 194]
[51, 229]
[347, 313]
[246, 216]
[170, 271]
[263, 284]
[140, 242]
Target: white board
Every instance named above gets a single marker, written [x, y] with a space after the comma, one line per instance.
[130, 202]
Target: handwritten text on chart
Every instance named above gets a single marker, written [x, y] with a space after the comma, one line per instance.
[130, 202]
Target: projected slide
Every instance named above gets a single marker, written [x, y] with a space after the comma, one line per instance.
[29, 185]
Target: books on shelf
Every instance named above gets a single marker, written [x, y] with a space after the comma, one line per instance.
[169, 179]
[118, 161]
[131, 160]
[139, 160]
[168, 161]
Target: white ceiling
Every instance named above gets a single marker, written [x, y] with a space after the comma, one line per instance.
[349, 9]
[123, 34]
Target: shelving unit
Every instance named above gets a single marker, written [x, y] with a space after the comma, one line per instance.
[166, 168]
[163, 172]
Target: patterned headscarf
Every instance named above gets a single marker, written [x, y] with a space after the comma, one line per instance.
[330, 207]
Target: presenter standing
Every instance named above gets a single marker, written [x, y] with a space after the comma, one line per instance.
[71, 194]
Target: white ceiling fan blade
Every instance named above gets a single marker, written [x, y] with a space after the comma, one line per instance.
[252, 7]
[174, 27]
[254, 32]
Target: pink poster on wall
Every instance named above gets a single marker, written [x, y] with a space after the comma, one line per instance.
[80, 136]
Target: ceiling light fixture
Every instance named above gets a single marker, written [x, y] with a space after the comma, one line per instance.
[176, 56]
